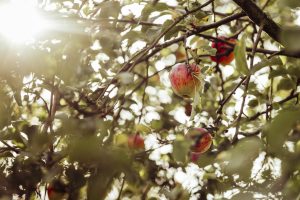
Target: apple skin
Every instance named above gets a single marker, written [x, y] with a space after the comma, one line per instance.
[202, 140]
[223, 48]
[136, 142]
[194, 156]
[55, 194]
[183, 80]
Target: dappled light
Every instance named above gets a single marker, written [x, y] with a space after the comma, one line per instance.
[149, 100]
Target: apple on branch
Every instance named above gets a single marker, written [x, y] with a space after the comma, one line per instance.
[185, 80]
[224, 54]
[201, 142]
[136, 142]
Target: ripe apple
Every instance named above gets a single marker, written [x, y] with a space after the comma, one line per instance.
[201, 138]
[185, 79]
[224, 53]
[56, 191]
[135, 142]
[194, 156]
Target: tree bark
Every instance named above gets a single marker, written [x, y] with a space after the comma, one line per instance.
[259, 17]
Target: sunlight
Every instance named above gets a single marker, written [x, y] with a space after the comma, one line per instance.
[20, 21]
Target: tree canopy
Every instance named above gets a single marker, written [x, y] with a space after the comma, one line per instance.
[87, 108]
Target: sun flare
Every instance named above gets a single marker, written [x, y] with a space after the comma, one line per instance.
[19, 21]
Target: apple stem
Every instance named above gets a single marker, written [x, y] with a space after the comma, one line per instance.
[187, 55]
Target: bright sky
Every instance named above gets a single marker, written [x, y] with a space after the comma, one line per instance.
[19, 21]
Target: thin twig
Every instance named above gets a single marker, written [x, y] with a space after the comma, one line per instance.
[121, 189]
[137, 58]
[247, 83]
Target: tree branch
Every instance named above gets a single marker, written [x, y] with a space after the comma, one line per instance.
[259, 17]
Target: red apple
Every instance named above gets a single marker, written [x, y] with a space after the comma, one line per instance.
[201, 138]
[194, 156]
[224, 53]
[135, 142]
[56, 190]
[185, 79]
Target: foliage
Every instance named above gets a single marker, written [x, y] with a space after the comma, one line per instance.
[70, 100]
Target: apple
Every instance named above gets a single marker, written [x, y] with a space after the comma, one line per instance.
[56, 191]
[136, 142]
[201, 138]
[224, 54]
[185, 79]
[194, 156]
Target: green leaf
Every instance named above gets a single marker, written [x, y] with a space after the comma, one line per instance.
[239, 159]
[264, 63]
[206, 49]
[289, 3]
[15, 82]
[294, 70]
[5, 109]
[99, 185]
[286, 84]
[278, 72]
[240, 57]
[110, 9]
[253, 103]
[281, 125]
[173, 32]
[196, 102]
[181, 149]
[200, 15]
[290, 39]
[149, 8]
[244, 196]
[132, 37]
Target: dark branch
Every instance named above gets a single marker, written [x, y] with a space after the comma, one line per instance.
[259, 17]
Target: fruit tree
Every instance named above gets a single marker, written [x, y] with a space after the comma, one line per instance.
[149, 99]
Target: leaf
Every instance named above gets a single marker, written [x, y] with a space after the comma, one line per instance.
[99, 185]
[110, 9]
[197, 101]
[201, 15]
[206, 49]
[149, 8]
[278, 72]
[290, 39]
[240, 57]
[281, 125]
[173, 32]
[121, 139]
[239, 159]
[286, 84]
[244, 196]
[253, 103]
[132, 37]
[204, 160]
[294, 70]
[264, 63]
[180, 150]
[5, 109]
[142, 128]
[16, 85]
[289, 3]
